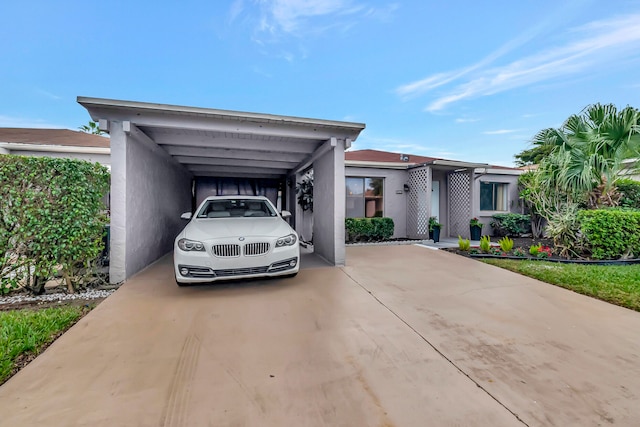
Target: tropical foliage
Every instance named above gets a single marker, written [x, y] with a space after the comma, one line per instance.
[587, 157]
[93, 128]
[304, 190]
[51, 219]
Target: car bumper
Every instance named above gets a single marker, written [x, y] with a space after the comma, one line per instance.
[202, 267]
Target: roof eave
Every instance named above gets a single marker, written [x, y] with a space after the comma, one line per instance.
[116, 104]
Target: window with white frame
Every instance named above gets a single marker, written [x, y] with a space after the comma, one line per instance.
[364, 197]
[493, 196]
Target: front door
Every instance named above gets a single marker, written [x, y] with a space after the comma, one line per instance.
[435, 199]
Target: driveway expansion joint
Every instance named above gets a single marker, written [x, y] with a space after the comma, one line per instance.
[437, 350]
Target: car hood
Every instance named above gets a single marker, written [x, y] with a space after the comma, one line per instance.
[218, 228]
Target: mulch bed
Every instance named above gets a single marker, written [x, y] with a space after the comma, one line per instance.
[526, 242]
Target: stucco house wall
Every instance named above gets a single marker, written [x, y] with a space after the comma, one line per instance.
[513, 201]
[394, 196]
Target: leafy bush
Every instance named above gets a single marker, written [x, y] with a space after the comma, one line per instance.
[534, 249]
[519, 252]
[464, 244]
[511, 224]
[485, 244]
[304, 189]
[630, 191]
[611, 233]
[50, 218]
[564, 229]
[368, 229]
[433, 223]
[506, 244]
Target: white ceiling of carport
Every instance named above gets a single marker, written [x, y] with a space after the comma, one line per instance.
[225, 143]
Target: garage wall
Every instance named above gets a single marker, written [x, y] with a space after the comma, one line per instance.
[329, 205]
[149, 191]
[395, 199]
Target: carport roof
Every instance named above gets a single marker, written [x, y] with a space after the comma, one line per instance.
[212, 142]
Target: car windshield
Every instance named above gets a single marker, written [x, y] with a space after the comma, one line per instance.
[235, 208]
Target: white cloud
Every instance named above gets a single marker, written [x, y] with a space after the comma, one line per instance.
[466, 120]
[500, 131]
[597, 44]
[291, 16]
[46, 94]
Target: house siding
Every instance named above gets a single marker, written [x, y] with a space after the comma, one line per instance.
[395, 199]
[513, 199]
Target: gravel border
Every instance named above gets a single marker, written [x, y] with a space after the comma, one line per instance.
[87, 295]
[392, 243]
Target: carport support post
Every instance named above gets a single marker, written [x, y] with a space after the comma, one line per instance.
[118, 233]
[329, 204]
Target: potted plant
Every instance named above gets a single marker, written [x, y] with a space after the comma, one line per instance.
[434, 229]
[475, 228]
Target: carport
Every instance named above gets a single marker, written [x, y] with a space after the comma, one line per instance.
[159, 151]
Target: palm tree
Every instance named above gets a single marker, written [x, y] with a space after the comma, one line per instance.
[92, 128]
[588, 152]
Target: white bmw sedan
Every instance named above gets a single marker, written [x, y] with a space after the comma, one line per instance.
[235, 237]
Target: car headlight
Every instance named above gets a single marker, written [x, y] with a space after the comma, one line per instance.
[286, 240]
[190, 245]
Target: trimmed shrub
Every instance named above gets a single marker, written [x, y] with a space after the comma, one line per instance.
[510, 224]
[611, 233]
[630, 192]
[368, 229]
[51, 219]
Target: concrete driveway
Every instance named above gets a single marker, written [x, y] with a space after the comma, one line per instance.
[403, 336]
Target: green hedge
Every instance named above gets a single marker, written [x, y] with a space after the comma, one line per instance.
[510, 224]
[630, 191]
[51, 218]
[611, 233]
[368, 229]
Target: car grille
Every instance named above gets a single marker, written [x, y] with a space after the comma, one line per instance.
[241, 271]
[251, 249]
[226, 251]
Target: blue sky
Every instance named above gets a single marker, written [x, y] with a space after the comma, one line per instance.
[466, 80]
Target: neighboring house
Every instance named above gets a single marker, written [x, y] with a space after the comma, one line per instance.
[55, 143]
[410, 189]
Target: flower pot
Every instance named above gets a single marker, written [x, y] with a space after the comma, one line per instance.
[435, 234]
[475, 231]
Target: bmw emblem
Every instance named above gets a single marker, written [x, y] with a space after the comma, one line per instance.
[241, 239]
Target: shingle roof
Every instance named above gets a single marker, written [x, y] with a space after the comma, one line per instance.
[389, 157]
[384, 157]
[52, 137]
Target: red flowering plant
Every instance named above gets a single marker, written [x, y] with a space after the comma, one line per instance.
[544, 252]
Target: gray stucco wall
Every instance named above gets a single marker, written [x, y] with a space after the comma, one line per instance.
[149, 192]
[512, 198]
[395, 199]
[329, 205]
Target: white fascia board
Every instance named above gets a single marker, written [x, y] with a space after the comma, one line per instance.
[494, 171]
[378, 165]
[456, 164]
[15, 146]
[88, 102]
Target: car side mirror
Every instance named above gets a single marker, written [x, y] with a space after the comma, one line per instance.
[186, 215]
[285, 214]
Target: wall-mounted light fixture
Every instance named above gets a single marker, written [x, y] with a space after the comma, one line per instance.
[406, 188]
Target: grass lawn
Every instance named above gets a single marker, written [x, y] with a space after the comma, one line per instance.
[617, 284]
[25, 333]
